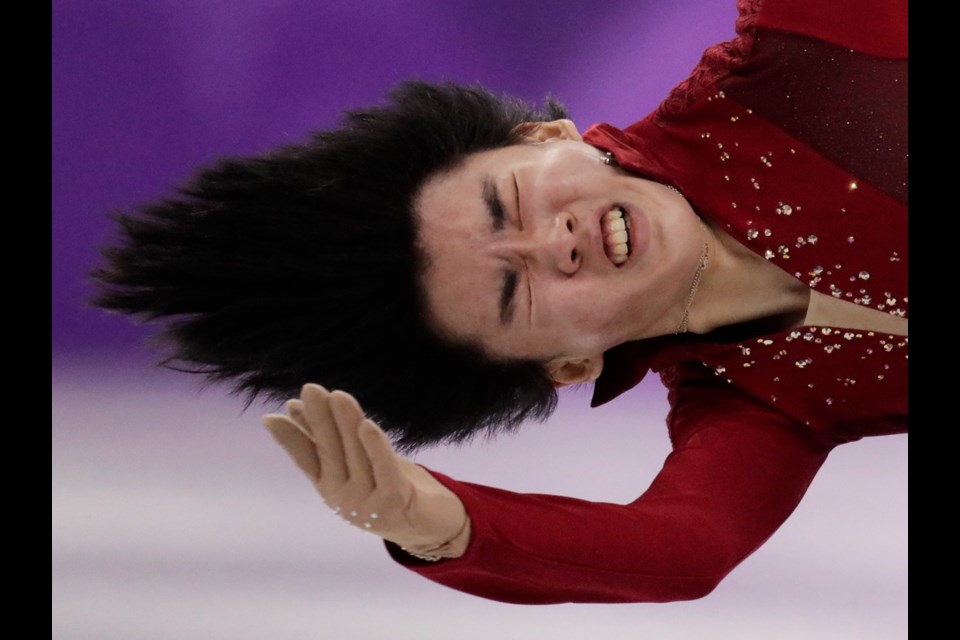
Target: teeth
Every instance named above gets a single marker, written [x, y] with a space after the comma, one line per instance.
[618, 236]
[616, 240]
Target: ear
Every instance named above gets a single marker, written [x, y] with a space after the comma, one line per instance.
[545, 131]
[575, 370]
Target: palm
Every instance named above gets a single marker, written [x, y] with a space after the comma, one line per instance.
[351, 462]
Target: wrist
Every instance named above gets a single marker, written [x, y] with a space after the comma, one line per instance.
[452, 548]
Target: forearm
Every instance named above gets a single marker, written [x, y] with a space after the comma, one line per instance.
[533, 549]
[718, 498]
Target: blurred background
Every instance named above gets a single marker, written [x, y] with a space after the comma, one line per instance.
[176, 516]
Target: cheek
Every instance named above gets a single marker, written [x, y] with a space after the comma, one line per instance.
[579, 319]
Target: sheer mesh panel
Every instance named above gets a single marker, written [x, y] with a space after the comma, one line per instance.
[826, 95]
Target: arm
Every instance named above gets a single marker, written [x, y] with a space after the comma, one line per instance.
[736, 473]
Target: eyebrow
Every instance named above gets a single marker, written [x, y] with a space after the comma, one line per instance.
[498, 215]
[494, 203]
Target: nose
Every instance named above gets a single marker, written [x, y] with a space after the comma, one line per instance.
[555, 244]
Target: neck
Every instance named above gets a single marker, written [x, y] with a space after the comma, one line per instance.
[739, 286]
[683, 325]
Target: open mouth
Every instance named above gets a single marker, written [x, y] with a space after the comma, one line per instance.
[615, 226]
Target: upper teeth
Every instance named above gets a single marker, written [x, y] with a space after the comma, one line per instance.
[616, 240]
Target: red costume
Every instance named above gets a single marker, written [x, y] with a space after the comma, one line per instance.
[792, 138]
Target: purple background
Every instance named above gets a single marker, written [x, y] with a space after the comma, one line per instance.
[175, 516]
[145, 91]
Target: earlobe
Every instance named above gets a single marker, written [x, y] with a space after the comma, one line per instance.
[562, 129]
[578, 370]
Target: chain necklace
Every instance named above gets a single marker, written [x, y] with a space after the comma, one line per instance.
[704, 255]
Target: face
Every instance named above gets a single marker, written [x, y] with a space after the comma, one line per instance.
[525, 260]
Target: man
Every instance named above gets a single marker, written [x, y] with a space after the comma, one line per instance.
[501, 255]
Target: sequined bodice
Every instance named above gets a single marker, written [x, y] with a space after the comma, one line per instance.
[797, 149]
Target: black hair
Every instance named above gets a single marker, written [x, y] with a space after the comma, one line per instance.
[301, 265]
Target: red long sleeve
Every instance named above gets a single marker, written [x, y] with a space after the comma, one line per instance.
[736, 473]
[812, 84]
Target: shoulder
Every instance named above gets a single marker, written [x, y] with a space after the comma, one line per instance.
[876, 28]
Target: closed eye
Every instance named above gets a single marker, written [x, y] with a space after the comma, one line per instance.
[507, 297]
[516, 188]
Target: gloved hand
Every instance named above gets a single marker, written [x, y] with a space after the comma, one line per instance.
[353, 465]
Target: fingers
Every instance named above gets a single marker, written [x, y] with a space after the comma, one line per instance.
[349, 416]
[294, 407]
[333, 418]
[298, 446]
[386, 471]
[362, 478]
[323, 427]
